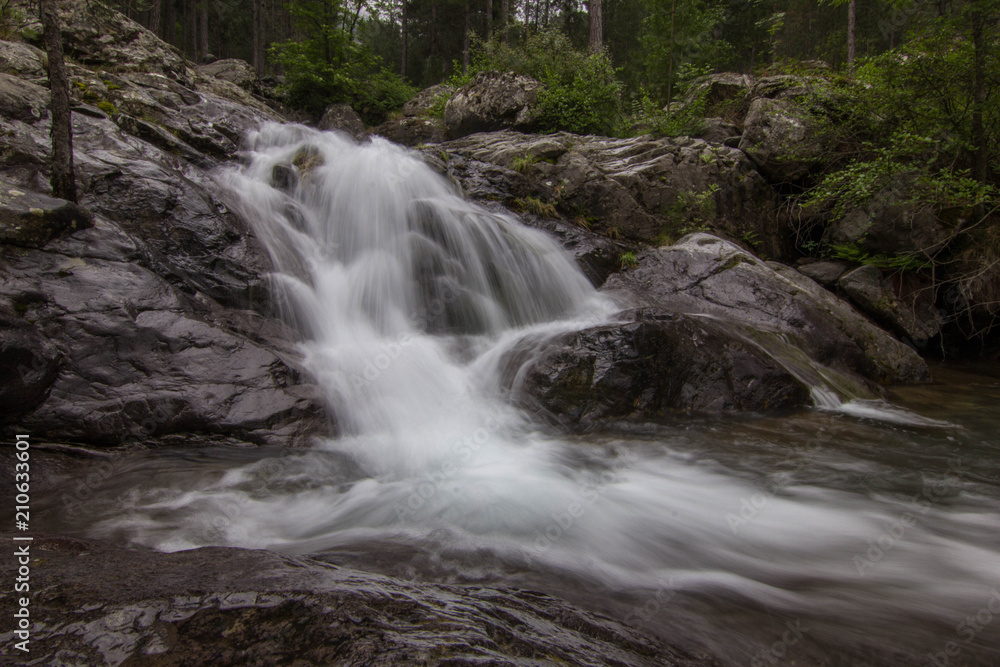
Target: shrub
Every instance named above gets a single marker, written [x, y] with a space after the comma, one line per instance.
[581, 93]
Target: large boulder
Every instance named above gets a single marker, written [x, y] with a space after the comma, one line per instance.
[235, 71]
[93, 603]
[722, 94]
[343, 118]
[423, 101]
[150, 321]
[412, 130]
[901, 303]
[891, 223]
[652, 366]
[705, 275]
[782, 138]
[492, 101]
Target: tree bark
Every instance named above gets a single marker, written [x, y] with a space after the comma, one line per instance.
[465, 40]
[258, 37]
[980, 169]
[154, 17]
[170, 34]
[596, 42]
[489, 19]
[504, 19]
[203, 31]
[402, 63]
[851, 32]
[670, 57]
[63, 177]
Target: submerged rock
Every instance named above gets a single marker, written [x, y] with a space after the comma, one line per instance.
[98, 604]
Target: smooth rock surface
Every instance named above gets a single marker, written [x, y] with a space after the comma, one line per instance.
[706, 275]
[98, 604]
[652, 366]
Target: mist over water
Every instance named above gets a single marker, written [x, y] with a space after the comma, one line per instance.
[864, 532]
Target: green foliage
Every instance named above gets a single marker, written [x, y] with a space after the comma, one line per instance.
[536, 206]
[327, 66]
[436, 109]
[647, 117]
[522, 163]
[628, 260]
[852, 253]
[107, 107]
[581, 93]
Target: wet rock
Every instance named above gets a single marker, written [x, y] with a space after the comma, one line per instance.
[492, 101]
[22, 100]
[31, 219]
[22, 60]
[141, 362]
[653, 366]
[235, 71]
[421, 104]
[824, 272]
[28, 362]
[903, 306]
[412, 130]
[98, 604]
[704, 274]
[639, 189]
[342, 117]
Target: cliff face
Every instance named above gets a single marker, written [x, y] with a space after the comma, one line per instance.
[147, 320]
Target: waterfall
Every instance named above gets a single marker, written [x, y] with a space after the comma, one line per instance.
[399, 283]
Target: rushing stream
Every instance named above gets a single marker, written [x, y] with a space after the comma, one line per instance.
[863, 533]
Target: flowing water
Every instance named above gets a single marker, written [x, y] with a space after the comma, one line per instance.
[857, 533]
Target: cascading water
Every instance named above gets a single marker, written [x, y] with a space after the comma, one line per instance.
[716, 533]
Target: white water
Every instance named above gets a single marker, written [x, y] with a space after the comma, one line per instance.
[408, 296]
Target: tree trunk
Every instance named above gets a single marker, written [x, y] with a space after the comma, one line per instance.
[203, 31]
[489, 19]
[190, 30]
[670, 57]
[258, 37]
[63, 179]
[465, 40]
[402, 62]
[170, 34]
[154, 17]
[434, 34]
[851, 32]
[504, 19]
[596, 42]
[980, 169]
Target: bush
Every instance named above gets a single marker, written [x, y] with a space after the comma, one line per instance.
[581, 93]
